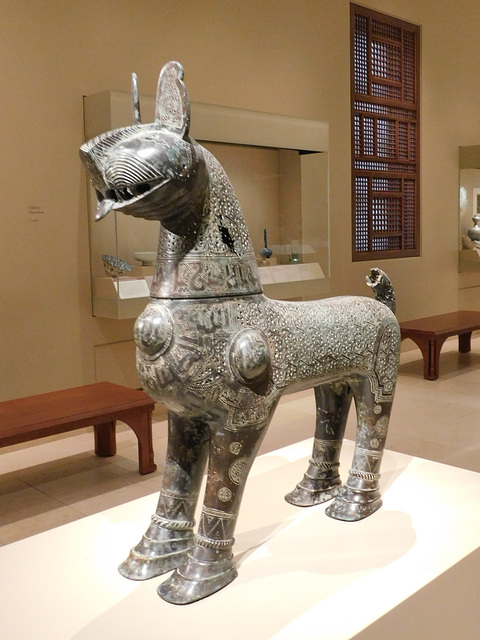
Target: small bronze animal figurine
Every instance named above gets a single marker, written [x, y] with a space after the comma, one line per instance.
[219, 354]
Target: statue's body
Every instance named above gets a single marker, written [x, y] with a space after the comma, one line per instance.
[219, 354]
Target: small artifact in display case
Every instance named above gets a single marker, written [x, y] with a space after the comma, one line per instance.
[146, 258]
[114, 266]
[219, 354]
[265, 252]
[474, 232]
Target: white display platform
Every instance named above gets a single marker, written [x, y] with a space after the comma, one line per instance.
[300, 572]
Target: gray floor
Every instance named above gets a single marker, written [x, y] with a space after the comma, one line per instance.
[50, 482]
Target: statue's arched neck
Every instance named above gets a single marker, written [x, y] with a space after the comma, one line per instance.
[213, 255]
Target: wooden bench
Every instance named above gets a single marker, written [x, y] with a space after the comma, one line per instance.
[430, 333]
[99, 405]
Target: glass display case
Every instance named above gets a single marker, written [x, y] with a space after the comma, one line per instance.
[278, 166]
[469, 209]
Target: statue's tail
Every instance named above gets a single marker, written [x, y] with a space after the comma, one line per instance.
[382, 287]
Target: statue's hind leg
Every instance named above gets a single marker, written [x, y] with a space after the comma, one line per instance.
[170, 535]
[322, 482]
[210, 565]
[360, 496]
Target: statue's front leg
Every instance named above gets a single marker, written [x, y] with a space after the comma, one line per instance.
[210, 565]
[170, 535]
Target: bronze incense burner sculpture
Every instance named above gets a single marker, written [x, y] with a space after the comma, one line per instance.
[219, 354]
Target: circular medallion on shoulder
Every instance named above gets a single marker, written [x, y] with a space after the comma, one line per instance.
[249, 355]
[153, 331]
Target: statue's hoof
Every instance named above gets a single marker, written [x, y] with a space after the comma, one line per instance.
[195, 580]
[151, 558]
[140, 568]
[303, 496]
[351, 505]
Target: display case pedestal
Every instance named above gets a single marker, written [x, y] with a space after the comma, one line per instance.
[302, 574]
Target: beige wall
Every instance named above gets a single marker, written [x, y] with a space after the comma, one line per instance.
[267, 55]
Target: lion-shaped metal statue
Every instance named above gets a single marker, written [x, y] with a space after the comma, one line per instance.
[219, 354]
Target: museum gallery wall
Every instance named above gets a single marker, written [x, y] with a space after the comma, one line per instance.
[290, 61]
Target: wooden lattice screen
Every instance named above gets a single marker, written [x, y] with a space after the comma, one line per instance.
[385, 135]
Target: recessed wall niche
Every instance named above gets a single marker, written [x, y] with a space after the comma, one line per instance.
[278, 166]
[469, 205]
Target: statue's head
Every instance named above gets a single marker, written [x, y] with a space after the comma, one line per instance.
[155, 170]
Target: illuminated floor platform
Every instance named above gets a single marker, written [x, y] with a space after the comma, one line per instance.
[301, 574]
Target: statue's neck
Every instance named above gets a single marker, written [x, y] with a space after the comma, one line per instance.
[215, 258]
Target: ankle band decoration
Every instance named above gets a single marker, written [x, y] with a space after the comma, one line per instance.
[209, 543]
[365, 475]
[325, 466]
[175, 525]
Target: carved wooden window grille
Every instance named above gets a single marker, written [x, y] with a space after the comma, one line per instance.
[385, 135]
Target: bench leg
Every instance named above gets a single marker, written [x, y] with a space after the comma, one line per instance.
[140, 421]
[465, 342]
[431, 355]
[105, 444]
[435, 346]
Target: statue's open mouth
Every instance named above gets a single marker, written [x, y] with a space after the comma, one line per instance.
[122, 197]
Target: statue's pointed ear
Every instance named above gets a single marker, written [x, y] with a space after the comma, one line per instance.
[173, 105]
